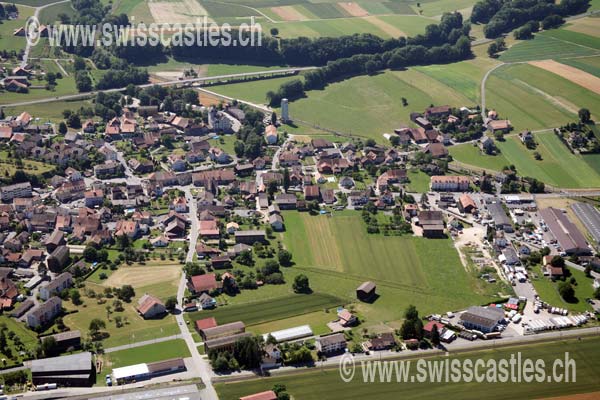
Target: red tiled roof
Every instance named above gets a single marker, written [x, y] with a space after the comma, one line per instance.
[206, 323]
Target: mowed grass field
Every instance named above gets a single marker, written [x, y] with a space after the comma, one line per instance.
[337, 255]
[533, 98]
[365, 106]
[544, 47]
[327, 384]
[558, 166]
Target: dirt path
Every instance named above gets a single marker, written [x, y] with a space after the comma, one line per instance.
[577, 76]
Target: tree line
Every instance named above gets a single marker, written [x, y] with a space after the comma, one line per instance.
[502, 16]
[446, 42]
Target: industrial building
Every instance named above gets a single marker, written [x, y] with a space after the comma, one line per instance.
[285, 335]
[569, 238]
[72, 370]
[501, 220]
[139, 372]
[482, 319]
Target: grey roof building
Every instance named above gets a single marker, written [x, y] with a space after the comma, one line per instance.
[483, 319]
[501, 220]
[71, 370]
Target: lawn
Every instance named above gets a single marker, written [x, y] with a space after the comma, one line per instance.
[144, 354]
[544, 47]
[326, 383]
[135, 330]
[533, 98]
[548, 291]
[419, 181]
[263, 311]
[472, 155]
[558, 166]
[338, 249]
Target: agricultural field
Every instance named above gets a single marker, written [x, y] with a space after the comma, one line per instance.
[33, 3]
[327, 383]
[558, 166]
[338, 248]
[49, 15]
[144, 354]
[544, 47]
[366, 106]
[7, 40]
[268, 314]
[587, 26]
[533, 98]
[384, 26]
[159, 280]
[591, 65]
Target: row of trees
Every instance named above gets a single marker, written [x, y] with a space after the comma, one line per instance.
[503, 16]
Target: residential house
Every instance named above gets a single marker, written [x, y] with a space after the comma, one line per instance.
[442, 183]
[58, 259]
[331, 343]
[44, 313]
[62, 282]
[205, 283]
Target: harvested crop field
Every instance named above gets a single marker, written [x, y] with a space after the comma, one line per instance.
[587, 26]
[353, 9]
[386, 27]
[139, 276]
[288, 13]
[572, 74]
[184, 11]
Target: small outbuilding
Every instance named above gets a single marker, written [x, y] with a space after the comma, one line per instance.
[366, 291]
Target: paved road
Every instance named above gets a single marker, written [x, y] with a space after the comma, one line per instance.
[166, 83]
[36, 16]
[201, 363]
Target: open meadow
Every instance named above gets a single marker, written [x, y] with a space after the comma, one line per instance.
[326, 383]
[558, 166]
[9, 42]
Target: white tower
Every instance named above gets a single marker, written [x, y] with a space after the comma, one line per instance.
[285, 113]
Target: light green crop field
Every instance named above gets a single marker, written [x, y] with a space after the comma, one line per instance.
[533, 98]
[435, 8]
[544, 47]
[558, 166]
[7, 40]
[49, 111]
[384, 26]
[327, 384]
[591, 65]
[338, 249]
[578, 38]
[274, 309]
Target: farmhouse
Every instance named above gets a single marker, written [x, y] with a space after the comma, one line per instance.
[203, 283]
[500, 125]
[432, 223]
[66, 340]
[205, 323]
[225, 342]
[250, 237]
[466, 204]
[383, 341]
[58, 259]
[218, 331]
[150, 307]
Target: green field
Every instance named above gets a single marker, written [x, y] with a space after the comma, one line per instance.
[9, 42]
[49, 15]
[472, 155]
[533, 98]
[558, 166]
[365, 106]
[548, 291]
[327, 384]
[434, 8]
[590, 65]
[419, 181]
[278, 308]
[338, 249]
[49, 111]
[144, 354]
[577, 38]
[408, 25]
[544, 47]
